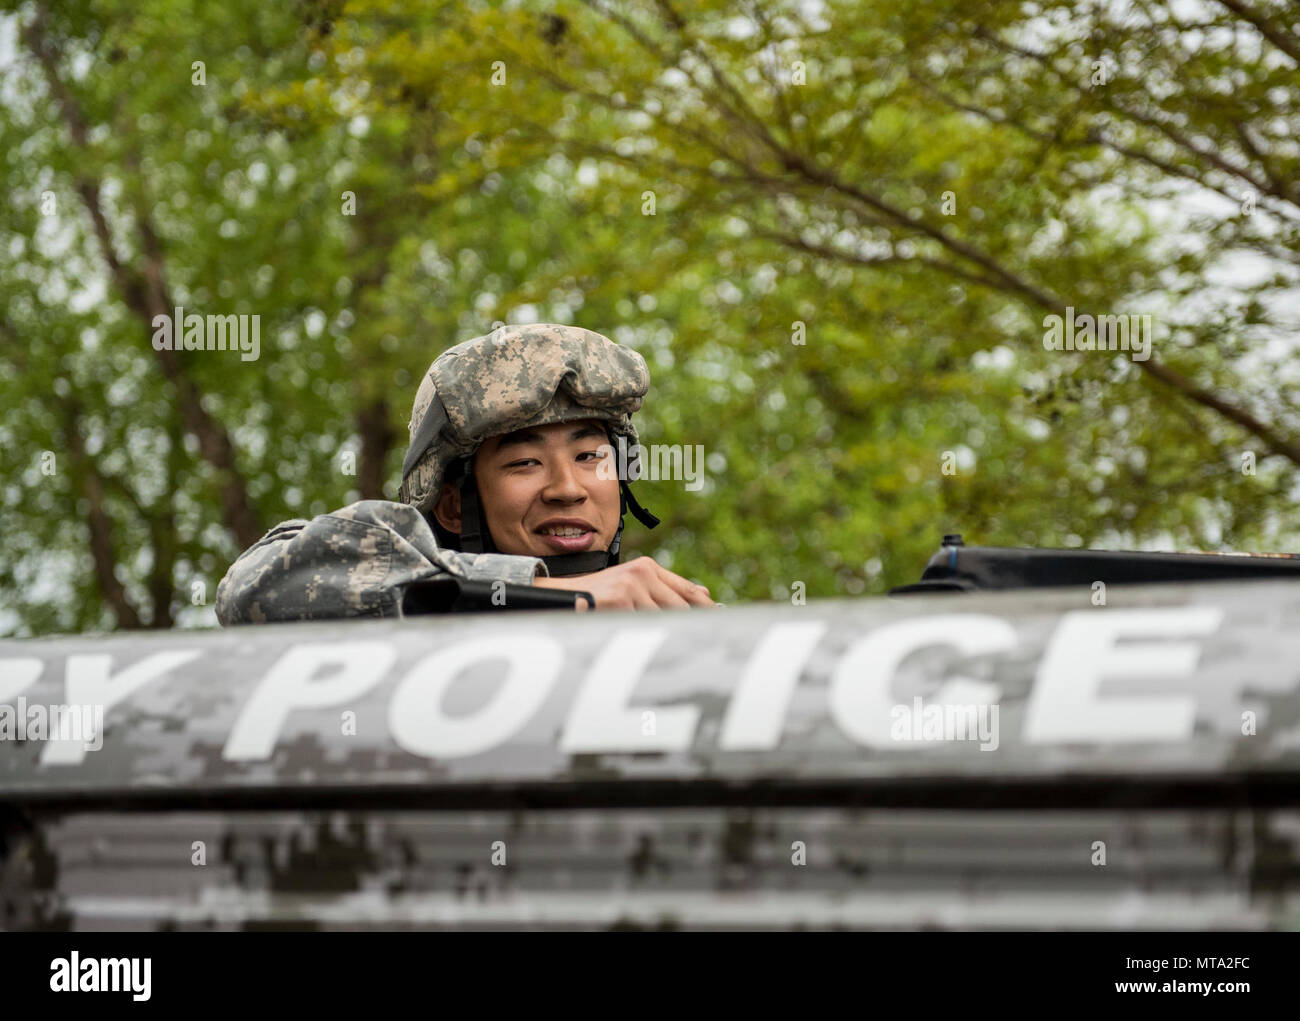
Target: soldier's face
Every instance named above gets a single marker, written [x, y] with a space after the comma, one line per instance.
[543, 492]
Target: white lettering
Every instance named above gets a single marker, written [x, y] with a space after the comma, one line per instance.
[17, 674]
[1064, 704]
[758, 708]
[415, 714]
[87, 681]
[860, 698]
[601, 720]
[292, 683]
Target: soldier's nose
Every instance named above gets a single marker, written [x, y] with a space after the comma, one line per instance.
[555, 494]
[564, 486]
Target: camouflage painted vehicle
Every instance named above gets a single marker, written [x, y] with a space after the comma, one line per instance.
[1005, 760]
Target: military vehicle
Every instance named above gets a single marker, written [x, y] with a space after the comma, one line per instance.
[1071, 757]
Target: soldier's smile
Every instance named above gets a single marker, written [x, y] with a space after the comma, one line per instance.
[567, 535]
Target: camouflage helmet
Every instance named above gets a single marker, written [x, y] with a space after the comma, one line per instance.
[513, 378]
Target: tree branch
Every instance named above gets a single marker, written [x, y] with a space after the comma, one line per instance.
[103, 551]
[1270, 31]
[146, 295]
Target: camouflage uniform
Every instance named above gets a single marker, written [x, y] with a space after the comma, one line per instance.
[359, 561]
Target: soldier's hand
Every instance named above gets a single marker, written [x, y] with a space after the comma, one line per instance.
[640, 584]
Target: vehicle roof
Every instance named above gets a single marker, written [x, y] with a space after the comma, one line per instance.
[1191, 684]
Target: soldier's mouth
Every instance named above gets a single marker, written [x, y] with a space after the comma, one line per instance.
[568, 537]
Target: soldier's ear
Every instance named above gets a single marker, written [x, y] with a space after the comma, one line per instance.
[447, 509]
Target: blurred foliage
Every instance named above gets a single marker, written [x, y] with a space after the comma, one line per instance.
[832, 229]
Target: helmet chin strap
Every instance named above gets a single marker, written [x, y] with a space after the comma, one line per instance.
[475, 537]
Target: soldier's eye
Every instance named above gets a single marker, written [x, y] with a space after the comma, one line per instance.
[597, 455]
[523, 463]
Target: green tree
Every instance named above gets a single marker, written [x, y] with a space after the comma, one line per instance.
[920, 194]
[834, 231]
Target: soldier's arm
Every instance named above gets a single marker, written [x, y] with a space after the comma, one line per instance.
[355, 562]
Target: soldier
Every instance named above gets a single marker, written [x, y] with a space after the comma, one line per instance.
[508, 478]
